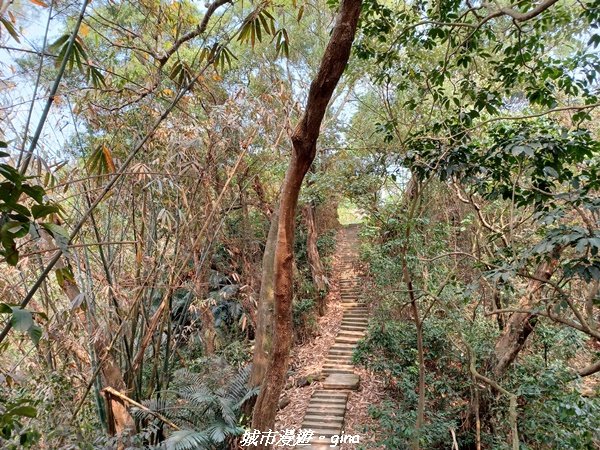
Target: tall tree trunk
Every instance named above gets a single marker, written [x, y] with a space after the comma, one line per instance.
[120, 420]
[304, 149]
[521, 324]
[314, 259]
[263, 340]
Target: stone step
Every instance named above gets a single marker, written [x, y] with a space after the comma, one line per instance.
[352, 327]
[326, 393]
[339, 359]
[342, 349]
[330, 421]
[321, 425]
[328, 372]
[355, 318]
[355, 315]
[348, 339]
[359, 309]
[361, 319]
[341, 366]
[344, 359]
[342, 381]
[311, 417]
[338, 401]
[327, 402]
[351, 333]
[355, 322]
[327, 411]
[342, 353]
[335, 364]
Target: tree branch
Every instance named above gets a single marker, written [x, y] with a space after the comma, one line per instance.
[201, 28]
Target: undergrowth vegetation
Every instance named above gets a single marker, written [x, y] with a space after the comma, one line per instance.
[556, 409]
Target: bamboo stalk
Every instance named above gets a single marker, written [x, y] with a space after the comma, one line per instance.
[131, 401]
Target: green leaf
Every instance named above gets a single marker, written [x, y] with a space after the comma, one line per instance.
[56, 230]
[35, 192]
[12, 257]
[23, 411]
[11, 174]
[58, 43]
[43, 210]
[35, 333]
[22, 319]
[10, 28]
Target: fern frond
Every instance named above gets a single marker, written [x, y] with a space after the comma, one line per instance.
[198, 395]
[251, 393]
[239, 383]
[188, 440]
[228, 410]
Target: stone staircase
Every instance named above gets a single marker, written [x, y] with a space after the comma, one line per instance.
[327, 406]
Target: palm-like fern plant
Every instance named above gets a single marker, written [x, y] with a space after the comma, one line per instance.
[207, 415]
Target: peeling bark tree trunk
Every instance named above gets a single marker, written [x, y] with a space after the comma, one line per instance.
[120, 420]
[304, 148]
[520, 325]
[314, 259]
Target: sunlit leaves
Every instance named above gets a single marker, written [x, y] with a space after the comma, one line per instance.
[10, 28]
[255, 25]
[221, 55]
[100, 161]
[181, 73]
[76, 56]
[217, 55]
[282, 43]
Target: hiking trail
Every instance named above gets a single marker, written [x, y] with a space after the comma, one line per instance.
[328, 405]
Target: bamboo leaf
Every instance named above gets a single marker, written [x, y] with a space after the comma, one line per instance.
[10, 28]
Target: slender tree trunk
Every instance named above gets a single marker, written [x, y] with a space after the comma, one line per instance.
[420, 356]
[304, 148]
[520, 325]
[263, 340]
[314, 259]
